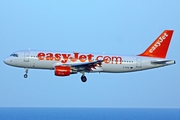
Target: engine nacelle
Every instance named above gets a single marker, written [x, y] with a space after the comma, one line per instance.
[62, 70]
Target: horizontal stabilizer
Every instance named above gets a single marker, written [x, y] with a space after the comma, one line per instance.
[163, 62]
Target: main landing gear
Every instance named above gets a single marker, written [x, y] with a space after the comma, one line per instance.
[26, 74]
[83, 77]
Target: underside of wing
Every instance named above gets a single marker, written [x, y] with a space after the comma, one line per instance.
[86, 66]
[98, 62]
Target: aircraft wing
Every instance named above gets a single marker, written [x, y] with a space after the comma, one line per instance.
[87, 66]
[87, 63]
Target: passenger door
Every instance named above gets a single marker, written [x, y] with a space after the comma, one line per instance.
[138, 62]
[26, 56]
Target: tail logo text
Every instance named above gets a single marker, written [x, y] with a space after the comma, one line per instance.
[158, 43]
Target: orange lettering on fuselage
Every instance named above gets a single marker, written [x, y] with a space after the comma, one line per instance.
[75, 57]
[49, 56]
[107, 59]
[57, 57]
[116, 59]
[82, 58]
[41, 56]
[65, 56]
[90, 57]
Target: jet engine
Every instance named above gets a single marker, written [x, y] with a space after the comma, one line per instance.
[62, 70]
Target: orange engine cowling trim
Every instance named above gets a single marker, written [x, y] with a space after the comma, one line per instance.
[62, 70]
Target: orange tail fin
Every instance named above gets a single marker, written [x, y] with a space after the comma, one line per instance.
[160, 46]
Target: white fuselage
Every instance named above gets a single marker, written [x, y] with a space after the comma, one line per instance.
[66, 63]
[111, 63]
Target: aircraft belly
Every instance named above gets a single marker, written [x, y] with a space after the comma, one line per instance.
[44, 65]
[35, 64]
[118, 68]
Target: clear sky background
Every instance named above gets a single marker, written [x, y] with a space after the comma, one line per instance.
[96, 26]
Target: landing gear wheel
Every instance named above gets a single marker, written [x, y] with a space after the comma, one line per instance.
[83, 78]
[25, 75]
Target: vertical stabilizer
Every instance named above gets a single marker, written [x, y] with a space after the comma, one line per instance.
[160, 46]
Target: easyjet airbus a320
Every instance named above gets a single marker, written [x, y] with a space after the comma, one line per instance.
[65, 64]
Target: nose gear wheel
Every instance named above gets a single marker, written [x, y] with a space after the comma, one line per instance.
[26, 74]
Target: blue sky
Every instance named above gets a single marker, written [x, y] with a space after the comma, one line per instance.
[109, 26]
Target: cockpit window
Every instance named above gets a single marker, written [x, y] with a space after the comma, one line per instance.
[14, 55]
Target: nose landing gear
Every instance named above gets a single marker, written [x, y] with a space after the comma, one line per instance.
[26, 75]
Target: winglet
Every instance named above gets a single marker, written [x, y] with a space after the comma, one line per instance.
[160, 46]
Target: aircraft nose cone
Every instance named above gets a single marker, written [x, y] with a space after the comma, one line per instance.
[6, 61]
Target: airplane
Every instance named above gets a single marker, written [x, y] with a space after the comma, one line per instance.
[67, 63]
